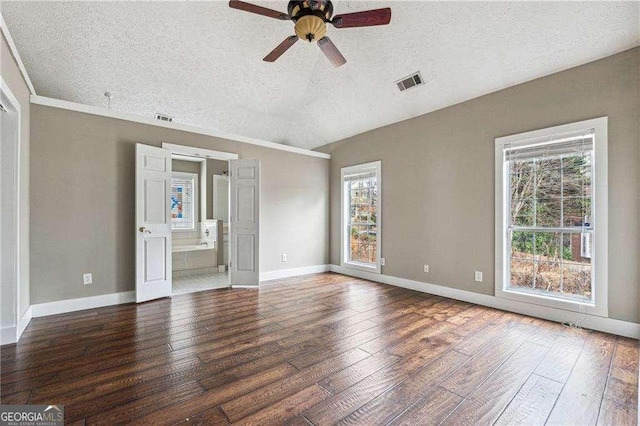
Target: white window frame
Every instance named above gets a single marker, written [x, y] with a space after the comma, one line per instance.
[344, 215]
[599, 305]
[194, 176]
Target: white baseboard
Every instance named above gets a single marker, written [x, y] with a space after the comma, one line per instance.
[24, 321]
[72, 305]
[8, 335]
[11, 334]
[286, 273]
[607, 325]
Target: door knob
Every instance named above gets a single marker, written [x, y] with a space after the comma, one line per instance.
[144, 230]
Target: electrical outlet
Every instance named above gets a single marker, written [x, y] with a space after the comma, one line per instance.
[426, 268]
[284, 257]
[478, 276]
[87, 278]
[382, 261]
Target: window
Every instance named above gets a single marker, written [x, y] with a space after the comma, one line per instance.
[551, 217]
[361, 197]
[184, 201]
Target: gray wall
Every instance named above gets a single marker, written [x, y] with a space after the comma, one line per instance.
[83, 199]
[11, 75]
[438, 176]
[185, 166]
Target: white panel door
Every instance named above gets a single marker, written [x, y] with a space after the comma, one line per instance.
[244, 197]
[153, 223]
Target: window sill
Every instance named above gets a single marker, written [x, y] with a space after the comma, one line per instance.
[543, 300]
[375, 269]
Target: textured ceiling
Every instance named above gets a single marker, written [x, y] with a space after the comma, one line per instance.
[201, 62]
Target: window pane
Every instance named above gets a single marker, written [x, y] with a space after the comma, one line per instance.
[552, 262]
[576, 279]
[522, 245]
[576, 177]
[548, 212]
[577, 247]
[522, 179]
[548, 246]
[549, 276]
[575, 210]
[522, 273]
[362, 220]
[363, 244]
[522, 213]
[549, 178]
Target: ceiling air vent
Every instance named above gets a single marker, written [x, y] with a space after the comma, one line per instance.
[164, 117]
[410, 81]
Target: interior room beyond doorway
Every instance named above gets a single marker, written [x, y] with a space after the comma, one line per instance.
[199, 223]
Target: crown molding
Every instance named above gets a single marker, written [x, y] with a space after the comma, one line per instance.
[88, 109]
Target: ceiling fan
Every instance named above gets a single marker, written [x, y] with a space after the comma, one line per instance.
[311, 18]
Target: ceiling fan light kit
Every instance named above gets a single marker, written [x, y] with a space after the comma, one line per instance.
[310, 18]
[310, 28]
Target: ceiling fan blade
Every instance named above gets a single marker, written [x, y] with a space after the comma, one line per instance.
[366, 18]
[331, 52]
[282, 47]
[248, 7]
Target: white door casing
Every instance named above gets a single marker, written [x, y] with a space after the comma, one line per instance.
[244, 218]
[153, 223]
[10, 216]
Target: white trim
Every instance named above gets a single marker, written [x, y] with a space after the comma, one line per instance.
[6, 93]
[187, 158]
[16, 55]
[8, 335]
[377, 268]
[24, 321]
[87, 109]
[287, 273]
[599, 307]
[593, 322]
[9, 94]
[203, 196]
[189, 152]
[80, 304]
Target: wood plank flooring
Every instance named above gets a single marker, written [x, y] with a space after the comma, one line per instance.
[321, 349]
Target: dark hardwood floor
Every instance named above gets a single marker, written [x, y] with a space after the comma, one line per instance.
[321, 349]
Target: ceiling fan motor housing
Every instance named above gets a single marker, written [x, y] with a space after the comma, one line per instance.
[310, 17]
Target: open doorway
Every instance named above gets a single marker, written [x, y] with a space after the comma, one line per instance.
[154, 223]
[199, 220]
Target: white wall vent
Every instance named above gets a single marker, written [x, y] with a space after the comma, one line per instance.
[164, 117]
[410, 81]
